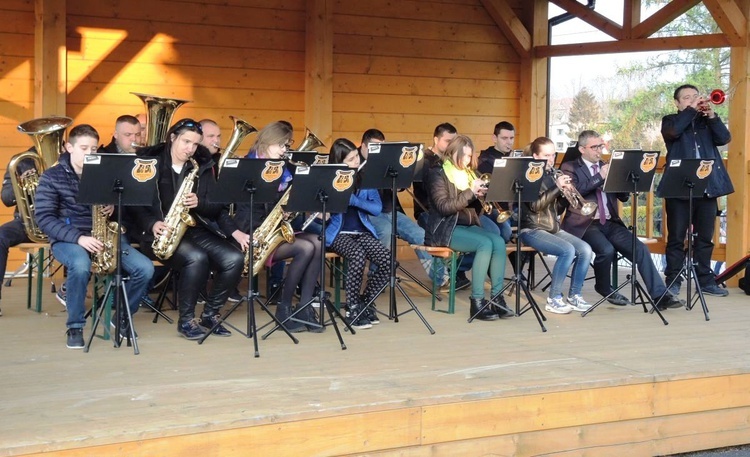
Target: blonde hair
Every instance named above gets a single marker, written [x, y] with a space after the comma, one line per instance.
[273, 133]
[456, 146]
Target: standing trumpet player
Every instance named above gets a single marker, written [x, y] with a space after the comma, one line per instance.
[604, 231]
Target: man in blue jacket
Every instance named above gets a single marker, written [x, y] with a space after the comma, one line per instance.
[694, 132]
[68, 225]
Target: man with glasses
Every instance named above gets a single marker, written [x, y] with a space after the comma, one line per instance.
[606, 233]
[694, 132]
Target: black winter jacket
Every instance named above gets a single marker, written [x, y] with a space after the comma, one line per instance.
[544, 213]
[446, 202]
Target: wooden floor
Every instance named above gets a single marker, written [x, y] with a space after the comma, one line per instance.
[617, 382]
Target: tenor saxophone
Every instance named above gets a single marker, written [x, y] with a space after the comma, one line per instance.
[104, 262]
[178, 218]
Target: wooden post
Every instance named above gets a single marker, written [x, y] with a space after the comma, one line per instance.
[319, 69]
[533, 84]
[738, 203]
[50, 54]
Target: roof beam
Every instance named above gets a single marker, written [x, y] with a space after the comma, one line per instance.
[631, 16]
[664, 16]
[639, 45]
[591, 17]
[730, 19]
[510, 25]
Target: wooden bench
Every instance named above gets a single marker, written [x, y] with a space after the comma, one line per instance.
[36, 257]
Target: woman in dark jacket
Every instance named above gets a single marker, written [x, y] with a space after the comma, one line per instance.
[304, 252]
[203, 247]
[453, 221]
[540, 228]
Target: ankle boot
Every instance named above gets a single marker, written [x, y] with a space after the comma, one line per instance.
[500, 307]
[487, 314]
[282, 313]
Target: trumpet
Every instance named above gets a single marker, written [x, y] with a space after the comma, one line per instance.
[487, 207]
[575, 199]
[716, 97]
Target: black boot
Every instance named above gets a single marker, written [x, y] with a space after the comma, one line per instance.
[361, 322]
[487, 314]
[500, 307]
[282, 313]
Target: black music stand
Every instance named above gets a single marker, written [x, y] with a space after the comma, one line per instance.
[391, 166]
[308, 157]
[631, 171]
[516, 179]
[688, 178]
[322, 188]
[131, 181]
[249, 181]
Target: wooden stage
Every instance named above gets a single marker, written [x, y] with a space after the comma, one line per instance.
[617, 382]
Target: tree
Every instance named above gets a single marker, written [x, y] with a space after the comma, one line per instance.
[584, 112]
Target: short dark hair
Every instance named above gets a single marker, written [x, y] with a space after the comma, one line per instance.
[372, 134]
[684, 86]
[127, 119]
[443, 128]
[503, 125]
[82, 130]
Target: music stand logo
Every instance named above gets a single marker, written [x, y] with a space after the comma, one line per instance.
[535, 171]
[704, 169]
[408, 156]
[144, 170]
[343, 180]
[272, 171]
[649, 162]
[320, 159]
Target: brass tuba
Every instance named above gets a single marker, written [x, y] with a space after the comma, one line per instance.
[239, 132]
[178, 218]
[47, 134]
[159, 112]
[310, 142]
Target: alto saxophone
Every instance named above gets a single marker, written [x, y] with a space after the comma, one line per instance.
[178, 218]
[108, 232]
[274, 230]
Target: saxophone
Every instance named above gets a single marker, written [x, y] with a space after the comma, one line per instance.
[178, 218]
[274, 230]
[105, 261]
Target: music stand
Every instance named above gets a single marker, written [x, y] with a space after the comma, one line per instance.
[688, 178]
[322, 188]
[131, 181]
[308, 157]
[516, 179]
[391, 166]
[251, 181]
[631, 171]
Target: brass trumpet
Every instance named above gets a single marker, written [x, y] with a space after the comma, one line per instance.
[487, 207]
[575, 199]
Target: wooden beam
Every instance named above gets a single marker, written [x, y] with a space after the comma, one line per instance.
[738, 157]
[50, 69]
[631, 17]
[730, 19]
[319, 69]
[510, 25]
[638, 45]
[591, 17]
[533, 80]
[664, 16]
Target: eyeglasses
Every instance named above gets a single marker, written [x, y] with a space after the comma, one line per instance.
[596, 147]
[188, 124]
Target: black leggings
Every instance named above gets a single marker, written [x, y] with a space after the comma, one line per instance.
[356, 249]
[304, 268]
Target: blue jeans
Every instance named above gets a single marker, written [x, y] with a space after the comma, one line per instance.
[78, 262]
[569, 250]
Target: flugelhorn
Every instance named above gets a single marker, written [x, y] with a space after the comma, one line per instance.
[487, 207]
[159, 112]
[575, 199]
[240, 130]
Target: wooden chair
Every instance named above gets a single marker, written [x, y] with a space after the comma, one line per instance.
[39, 259]
[440, 253]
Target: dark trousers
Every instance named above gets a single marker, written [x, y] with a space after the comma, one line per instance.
[609, 239]
[199, 253]
[703, 220]
[11, 234]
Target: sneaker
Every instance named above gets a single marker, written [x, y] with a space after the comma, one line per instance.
[557, 305]
[372, 315]
[208, 322]
[235, 296]
[669, 301]
[360, 323]
[674, 289]
[191, 330]
[124, 329]
[577, 303]
[61, 296]
[75, 338]
[462, 283]
[713, 289]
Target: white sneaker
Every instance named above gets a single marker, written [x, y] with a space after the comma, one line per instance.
[577, 303]
[557, 305]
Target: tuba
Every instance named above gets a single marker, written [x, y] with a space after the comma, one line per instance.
[239, 132]
[159, 112]
[574, 198]
[108, 232]
[47, 134]
[310, 142]
[178, 219]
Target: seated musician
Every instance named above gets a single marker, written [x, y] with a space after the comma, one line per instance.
[352, 236]
[127, 136]
[203, 247]
[68, 225]
[539, 228]
[453, 221]
[604, 231]
[13, 232]
[304, 270]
